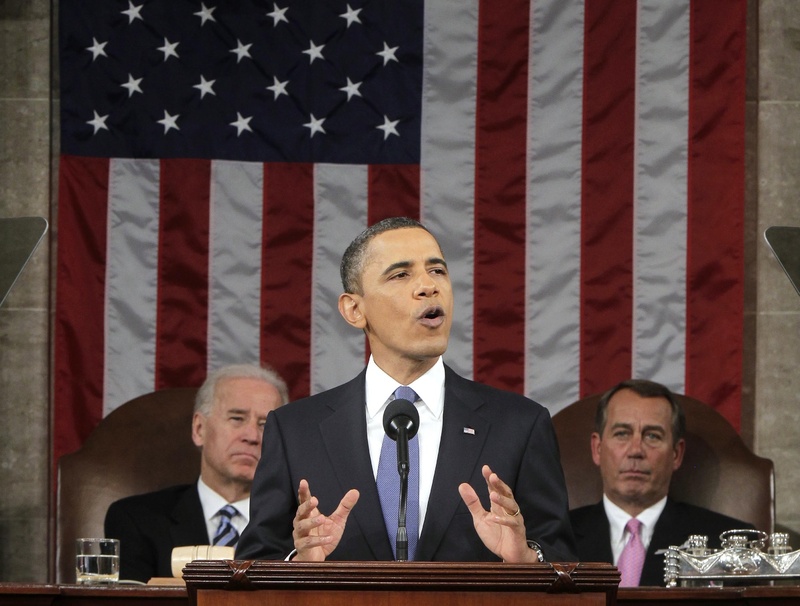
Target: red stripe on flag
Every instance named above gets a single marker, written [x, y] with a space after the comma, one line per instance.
[500, 169]
[715, 268]
[607, 195]
[182, 308]
[393, 191]
[80, 304]
[286, 273]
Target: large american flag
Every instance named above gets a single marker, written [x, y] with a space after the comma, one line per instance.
[581, 161]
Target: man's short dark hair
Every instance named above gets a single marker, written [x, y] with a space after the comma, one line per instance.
[646, 389]
[353, 259]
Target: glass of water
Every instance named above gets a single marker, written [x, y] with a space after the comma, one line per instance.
[97, 561]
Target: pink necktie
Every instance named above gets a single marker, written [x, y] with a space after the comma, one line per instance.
[631, 559]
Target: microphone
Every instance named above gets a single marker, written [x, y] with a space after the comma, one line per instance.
[401, 422]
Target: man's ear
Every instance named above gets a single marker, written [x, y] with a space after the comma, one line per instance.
[350, 307]
[679, 449]
[596, 445]
[198, 429]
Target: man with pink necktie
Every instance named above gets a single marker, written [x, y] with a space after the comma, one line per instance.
[638, 444]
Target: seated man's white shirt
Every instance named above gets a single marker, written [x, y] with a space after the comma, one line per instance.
[212, 502]
[618, 518]
[430, 390]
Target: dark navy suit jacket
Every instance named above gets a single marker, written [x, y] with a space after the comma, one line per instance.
[674, 525]
[149, 525]
[323, 439]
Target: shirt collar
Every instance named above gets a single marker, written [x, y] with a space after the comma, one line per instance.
[212, 502]
[618, 517]
[429, 388]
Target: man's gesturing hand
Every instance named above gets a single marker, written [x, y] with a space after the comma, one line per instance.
[315, 535]
[502, 528]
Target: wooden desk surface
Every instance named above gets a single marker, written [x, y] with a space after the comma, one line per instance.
[687, 596]
[22, 594]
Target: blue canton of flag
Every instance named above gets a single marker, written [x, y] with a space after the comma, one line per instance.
[291, 81]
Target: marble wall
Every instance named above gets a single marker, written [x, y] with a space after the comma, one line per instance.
[774, 315]
[25, 189]
[771, 411]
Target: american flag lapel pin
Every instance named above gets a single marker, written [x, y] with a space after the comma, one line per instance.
[469, 430]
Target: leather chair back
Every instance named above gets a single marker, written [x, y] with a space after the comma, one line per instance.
[144, 445]
[719, 471]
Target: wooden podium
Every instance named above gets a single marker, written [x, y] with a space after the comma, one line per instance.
[247, 583]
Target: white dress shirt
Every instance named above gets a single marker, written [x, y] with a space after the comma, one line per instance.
[618, 518]
[430, 390]
[212, 502]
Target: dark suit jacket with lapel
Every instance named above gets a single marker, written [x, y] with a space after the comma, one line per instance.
[323, 439]
[674, 525]
[149, 525]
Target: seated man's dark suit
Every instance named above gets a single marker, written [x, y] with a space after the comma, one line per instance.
[149, 525]
[324, 440]
[675, 524]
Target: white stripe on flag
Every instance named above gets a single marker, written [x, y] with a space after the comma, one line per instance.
[340, 214]
[130, 304]
[235, 238]
[447, 178]
[660, 214]
[555, 90]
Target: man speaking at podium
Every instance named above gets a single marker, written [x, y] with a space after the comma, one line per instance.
[487, 484]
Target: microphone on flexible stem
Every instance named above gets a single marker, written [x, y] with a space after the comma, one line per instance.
[401, 422]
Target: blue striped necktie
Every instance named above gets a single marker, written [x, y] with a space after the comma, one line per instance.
[226, 535]
[388, 481]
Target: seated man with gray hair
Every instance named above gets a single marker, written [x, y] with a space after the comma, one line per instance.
[230, 410]
[637, 444]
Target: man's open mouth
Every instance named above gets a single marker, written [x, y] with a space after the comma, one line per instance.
[432, 316]
[433, 312]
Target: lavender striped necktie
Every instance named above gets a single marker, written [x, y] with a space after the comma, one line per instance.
[388, 480]
[226, 534]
